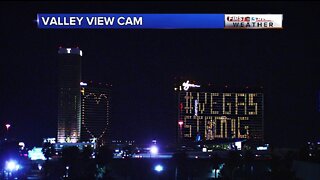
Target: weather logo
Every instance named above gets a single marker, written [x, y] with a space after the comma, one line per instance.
[253, 21]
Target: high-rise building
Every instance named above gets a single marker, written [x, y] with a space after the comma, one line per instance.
[95, 112]
[206, 114]
[69, 78]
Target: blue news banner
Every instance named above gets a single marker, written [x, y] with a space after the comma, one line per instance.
[130, 21]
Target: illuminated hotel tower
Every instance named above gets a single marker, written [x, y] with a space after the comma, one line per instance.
[69, 77]
[95, 112]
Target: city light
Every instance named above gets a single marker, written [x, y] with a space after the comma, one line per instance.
[158, 168]
[186, 85]
[12, 166]
[262, 148]
[238, 145]
[21, 145]
[36, 154]
[154, 141]
[216, 173]
[180, 123]
[154, 150]
[8, 126]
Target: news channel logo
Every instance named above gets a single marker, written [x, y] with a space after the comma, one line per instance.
[253, 21]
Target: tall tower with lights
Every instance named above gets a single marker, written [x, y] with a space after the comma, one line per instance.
[69, 102]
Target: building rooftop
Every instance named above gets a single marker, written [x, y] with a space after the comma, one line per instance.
[76, 51]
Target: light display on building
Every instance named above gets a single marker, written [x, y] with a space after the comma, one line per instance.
[95, 112]
[207, 115]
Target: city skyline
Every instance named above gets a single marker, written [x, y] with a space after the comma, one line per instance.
[142, 66]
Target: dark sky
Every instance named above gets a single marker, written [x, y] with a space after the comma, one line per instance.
[142, 64]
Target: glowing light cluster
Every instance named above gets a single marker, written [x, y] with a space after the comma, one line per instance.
[12, 166]
[158, 168]
[154, 150]
[36, 154]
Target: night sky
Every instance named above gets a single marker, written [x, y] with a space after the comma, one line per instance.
[142, 64]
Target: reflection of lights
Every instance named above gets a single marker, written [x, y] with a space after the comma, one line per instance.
[158, 168]
[12, 166]
[154, 150]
